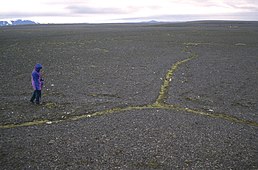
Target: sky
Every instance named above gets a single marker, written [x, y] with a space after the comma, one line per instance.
[115, 11]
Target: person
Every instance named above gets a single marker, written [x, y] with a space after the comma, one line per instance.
[37, 83]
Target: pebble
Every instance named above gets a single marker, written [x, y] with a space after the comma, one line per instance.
[51, 142]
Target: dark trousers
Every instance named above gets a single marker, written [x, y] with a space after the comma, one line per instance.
[36, 95]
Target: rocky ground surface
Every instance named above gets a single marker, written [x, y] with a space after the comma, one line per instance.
[130, 96]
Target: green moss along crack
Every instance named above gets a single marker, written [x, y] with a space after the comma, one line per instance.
[160, 103]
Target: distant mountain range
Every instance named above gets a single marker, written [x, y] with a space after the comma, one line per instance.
[17, 22]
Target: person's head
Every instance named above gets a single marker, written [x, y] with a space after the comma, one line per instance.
[38, 67]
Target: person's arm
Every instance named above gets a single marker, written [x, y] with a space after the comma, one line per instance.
[42, 82]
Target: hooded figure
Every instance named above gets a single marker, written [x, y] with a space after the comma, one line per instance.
[37, 83]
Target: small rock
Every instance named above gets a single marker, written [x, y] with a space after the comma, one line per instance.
[51, 142]
[49, 122]
[210, 110]
[240, 44]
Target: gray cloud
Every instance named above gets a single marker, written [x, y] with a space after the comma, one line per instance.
[247, 5]
[82, 8]
[29, 14]
[76, 9]
[175, 18]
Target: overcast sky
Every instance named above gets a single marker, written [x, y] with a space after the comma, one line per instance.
[98, 11]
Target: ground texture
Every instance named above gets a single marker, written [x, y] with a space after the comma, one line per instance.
[131, 96]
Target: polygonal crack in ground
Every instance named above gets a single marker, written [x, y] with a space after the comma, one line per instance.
[160, 103]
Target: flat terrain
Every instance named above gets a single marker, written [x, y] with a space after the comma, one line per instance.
[131, 96]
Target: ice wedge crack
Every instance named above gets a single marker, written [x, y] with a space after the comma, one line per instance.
[74, 118]
[130, 108]
[208, 114]
[160, 103]
[163, 93]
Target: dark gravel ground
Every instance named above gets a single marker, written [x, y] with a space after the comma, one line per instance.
[147, 139]
[90, 68]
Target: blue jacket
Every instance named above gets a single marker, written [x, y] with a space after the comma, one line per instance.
[36, 80]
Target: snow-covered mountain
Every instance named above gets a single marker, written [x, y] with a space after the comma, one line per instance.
[17, 22]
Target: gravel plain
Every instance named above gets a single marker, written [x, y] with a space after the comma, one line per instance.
[100, 106]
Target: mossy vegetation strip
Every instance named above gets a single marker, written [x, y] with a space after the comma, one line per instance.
[168, 78]
[74, 118]
[133, 108]
[212, 115]
[33, 123]
[160, 103]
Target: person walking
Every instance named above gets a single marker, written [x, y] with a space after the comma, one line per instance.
[37, 83]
